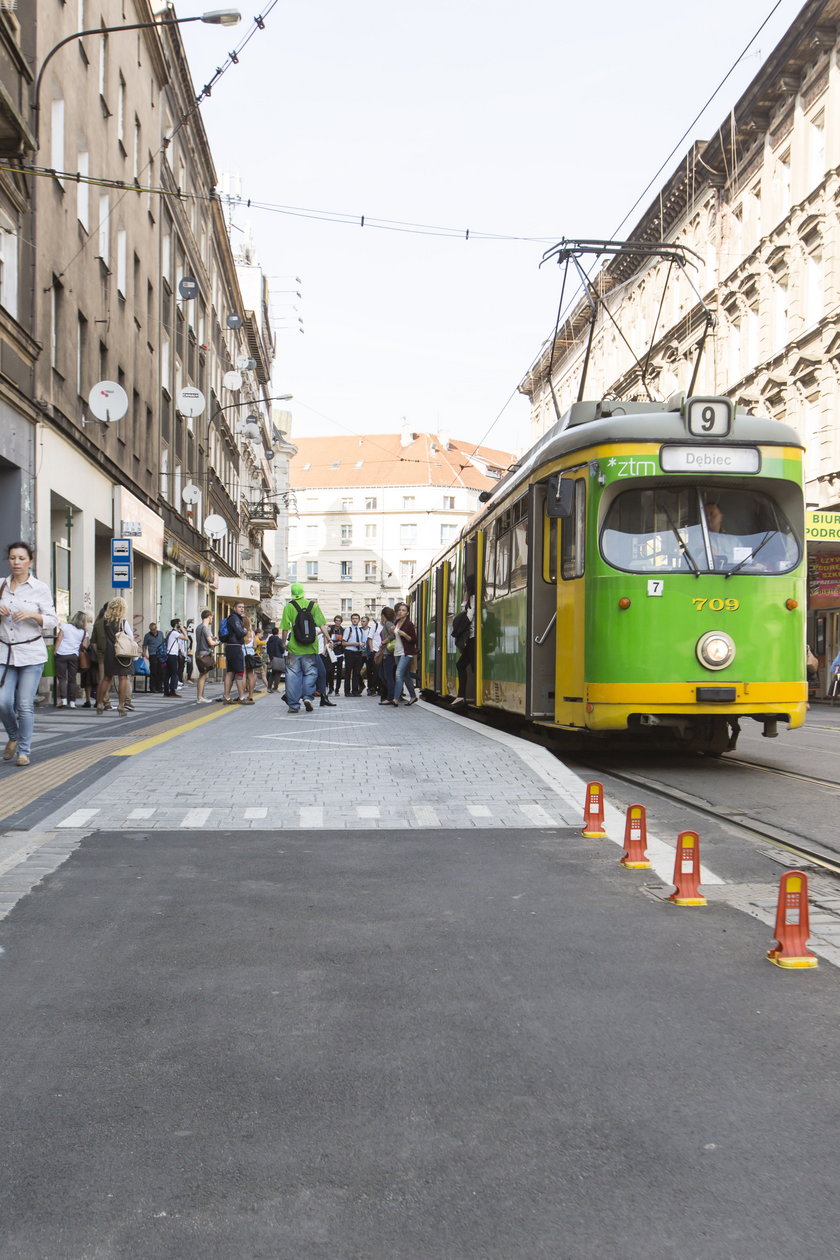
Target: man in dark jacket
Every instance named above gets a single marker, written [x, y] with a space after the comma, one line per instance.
[235, 653]
[151, 642]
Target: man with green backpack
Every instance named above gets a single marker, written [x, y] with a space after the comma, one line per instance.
[299, 630]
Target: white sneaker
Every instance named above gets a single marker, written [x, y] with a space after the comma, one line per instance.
[203, 700]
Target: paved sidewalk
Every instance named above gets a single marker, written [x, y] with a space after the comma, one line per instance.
[359, 764]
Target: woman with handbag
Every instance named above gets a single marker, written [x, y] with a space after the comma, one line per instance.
[69, 642]
[405, 645]
[26, 611]
[385, 655]
[114, 639]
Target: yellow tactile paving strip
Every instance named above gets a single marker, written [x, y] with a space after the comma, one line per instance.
[20, 788]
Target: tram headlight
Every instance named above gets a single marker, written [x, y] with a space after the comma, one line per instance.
[715, 650]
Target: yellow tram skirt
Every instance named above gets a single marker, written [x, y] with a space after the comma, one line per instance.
[610, 705]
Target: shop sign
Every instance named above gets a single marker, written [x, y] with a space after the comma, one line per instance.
[822, 526]
[824, 577]
[238, 588]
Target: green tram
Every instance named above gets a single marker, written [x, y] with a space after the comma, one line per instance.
[641, 569]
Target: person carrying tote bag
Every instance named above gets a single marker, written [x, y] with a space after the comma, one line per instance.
[113, 647]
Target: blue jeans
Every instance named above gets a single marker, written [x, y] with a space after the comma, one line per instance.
[402, 677]
[17, 702]
[301, 676]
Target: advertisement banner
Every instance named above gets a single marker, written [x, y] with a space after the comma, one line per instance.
[824, 577]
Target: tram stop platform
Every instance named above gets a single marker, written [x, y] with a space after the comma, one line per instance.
[354, 984]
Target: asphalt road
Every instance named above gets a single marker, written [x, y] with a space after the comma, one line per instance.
[363, 1045]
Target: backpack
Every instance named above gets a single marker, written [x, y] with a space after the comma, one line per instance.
[161, 652]
[303, 627]
[224, 633]
[461, 628]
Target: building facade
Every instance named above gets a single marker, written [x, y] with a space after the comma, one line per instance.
[370, 512]
[18, 345]
[757, 207]
[135, 288]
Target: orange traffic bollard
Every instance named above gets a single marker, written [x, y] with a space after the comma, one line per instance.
[593, 811]
[792, 925]
[635, 839]
[687, 871]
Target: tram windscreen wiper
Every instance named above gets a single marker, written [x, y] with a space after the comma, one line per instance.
[771, 533]
[683, 545]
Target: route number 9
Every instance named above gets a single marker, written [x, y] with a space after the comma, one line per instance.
[709, 417]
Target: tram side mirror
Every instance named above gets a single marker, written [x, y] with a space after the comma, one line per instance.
[560, 497]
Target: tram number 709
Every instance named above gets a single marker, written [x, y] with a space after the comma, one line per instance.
[717, 605]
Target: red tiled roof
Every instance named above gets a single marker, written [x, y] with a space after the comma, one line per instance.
[379, 459]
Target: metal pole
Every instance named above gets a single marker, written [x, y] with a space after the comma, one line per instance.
[97, 30]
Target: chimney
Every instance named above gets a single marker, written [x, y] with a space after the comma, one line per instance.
[406, 436]
[443, 438]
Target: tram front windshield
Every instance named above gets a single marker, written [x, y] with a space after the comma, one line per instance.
[697, 529]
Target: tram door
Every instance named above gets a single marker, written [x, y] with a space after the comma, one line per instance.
[570, 563]
[542, 608]
[441, 575]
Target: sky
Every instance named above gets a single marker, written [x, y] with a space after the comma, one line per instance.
[530, 122]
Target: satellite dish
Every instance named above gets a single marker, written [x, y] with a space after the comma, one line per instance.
[232, 381]
[190, 401]
[108, 401]
[246, 554]
[244, 364]
[188, 288]
[215, 526]
[234, 321]
[251, 430]
[190, 493]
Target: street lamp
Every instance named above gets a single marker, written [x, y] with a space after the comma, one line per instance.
[214, 17]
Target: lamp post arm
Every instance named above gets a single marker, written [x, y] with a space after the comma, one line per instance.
[271, 398]
[96, 30]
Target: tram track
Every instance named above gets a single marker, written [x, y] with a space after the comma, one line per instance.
[791, 842]
[802, 847]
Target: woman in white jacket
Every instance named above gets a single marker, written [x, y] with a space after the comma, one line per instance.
[26, 611]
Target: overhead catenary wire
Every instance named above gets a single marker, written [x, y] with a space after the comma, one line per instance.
[575, 295]
[328, 216]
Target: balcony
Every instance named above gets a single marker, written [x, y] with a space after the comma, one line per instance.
[263, 515]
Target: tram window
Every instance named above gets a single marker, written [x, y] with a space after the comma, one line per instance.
[503, 564]
[519, 557]
[698, 529]
[550, 549]
[450, 593]
[490, 567]
[573, 535]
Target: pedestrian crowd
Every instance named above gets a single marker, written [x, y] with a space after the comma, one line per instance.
[305, 660]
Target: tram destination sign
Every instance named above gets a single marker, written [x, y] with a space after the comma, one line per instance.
[710, 459]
